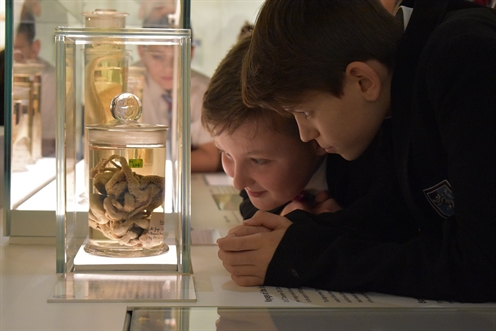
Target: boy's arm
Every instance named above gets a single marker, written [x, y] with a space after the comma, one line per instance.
[247, 250]
[295, 248]
[341, 250]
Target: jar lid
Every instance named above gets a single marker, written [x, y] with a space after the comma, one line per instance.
[125, 129]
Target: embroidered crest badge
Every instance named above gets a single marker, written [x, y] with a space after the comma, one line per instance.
[441, 198]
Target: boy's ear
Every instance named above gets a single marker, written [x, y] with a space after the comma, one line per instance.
[366, 78]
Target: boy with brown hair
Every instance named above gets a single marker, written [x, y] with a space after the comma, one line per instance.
[344, 68]
[261, 150]
[254, 143]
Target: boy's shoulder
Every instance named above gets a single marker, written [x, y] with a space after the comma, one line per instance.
[464, 21]
[461, 29]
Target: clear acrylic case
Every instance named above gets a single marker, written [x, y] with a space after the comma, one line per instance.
[73, 59]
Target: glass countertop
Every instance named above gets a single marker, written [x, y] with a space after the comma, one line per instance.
[315, 319]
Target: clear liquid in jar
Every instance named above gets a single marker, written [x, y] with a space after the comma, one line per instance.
[126, 196]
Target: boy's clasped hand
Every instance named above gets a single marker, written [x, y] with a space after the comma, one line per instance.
[247, 249]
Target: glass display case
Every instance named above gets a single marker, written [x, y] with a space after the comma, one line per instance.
[95, 60]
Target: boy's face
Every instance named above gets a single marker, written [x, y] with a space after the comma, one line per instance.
[159, 62]
[345, 125]
[272, 167]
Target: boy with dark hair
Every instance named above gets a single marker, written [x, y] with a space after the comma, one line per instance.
[258, 148]
[344, 69]
[261, 150]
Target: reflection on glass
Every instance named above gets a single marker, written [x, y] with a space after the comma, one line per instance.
[98, 287]
[105, 66]
[156, 319]
[136, 81]
[104, 74]
[314, 319]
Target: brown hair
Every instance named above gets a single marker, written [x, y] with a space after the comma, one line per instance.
[223, 107]
[299, 45]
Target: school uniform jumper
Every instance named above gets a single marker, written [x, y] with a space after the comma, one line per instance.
[443, 245]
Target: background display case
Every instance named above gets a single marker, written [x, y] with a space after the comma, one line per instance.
[29, 203]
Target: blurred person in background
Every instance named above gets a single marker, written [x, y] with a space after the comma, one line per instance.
[27, 49]
[159, 61]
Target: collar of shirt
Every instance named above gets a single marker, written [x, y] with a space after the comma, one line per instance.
[404, 13]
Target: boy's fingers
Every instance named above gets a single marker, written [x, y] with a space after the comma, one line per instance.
[245, 275]
[234, 243]
[245, 230]
[234, 230]
[241, 270]
[268, 220]
[247, 280]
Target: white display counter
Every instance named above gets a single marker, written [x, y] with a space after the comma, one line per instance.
[28, 295]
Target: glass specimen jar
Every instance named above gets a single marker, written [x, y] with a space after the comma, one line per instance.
[126, 183]
[136, 81]
[73, 163]
[105, 67]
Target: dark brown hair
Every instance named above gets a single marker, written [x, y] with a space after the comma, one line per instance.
[301, 45]
[223, 107]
